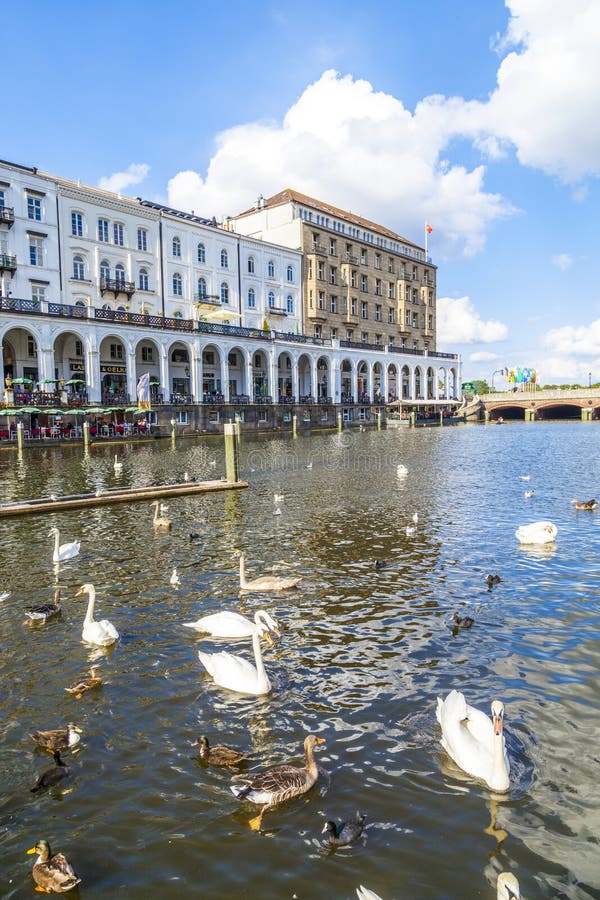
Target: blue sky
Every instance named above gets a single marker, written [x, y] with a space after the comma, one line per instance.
[480, 118]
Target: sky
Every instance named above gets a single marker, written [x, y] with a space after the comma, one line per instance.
[481, 119]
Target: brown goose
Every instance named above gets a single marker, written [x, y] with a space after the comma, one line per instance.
[85, 684]
[59, 739]
[219, 755]
[52, 873]
[279, 783]
[585, 504]
[39, 615]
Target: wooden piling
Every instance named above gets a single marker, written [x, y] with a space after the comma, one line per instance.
[231, 433]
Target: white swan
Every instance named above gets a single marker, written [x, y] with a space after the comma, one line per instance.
[401, 471]
[63, 551]
[263, 582]
[237, 674]
[118, 465]
[174, 580]
[161, 523]
[102, 633]
[507, 887]
[537, 533]
[234, 625]
[474, 741]
[364, 893]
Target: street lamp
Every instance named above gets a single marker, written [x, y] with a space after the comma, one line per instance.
[496, 372]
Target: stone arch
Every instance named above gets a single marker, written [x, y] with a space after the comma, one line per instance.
[305, 368]
[363, 381]
[393, 382]
[285, 381]
[347, 380]
[323, 378]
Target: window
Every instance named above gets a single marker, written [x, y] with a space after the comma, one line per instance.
[334, 334]
[178, 314]
[317, 332]
[321, 270]
[147, 354]
[290, 273]
[390, 263]
[332, 246]
[353, 306]
[251, 298]
[251, 265]
[120, 273]
[143, 282]
[363, 257]
[353, 278]
[378, 340]
[31, 348]
[390, 316]
[378, 312]
[378, 287]
[38, 292]
[36, 252]
[176, 247]
[349, 334]
[79, 346]
[430, 322]
[201, 253]
[391, 290]
[34, 209]
[332, 275]
[181, 417]
[377, 260]
[77, 224]
[103, 230]
[142, 239]
[271, 299]
[415, 320]
[201, 289]
[177, 284]
[363, 283]
[224, 259]
[270, 269]
[118, 234]
[415, 296]
[116, 351]
[104, 270]
[364, 336]
[321, 303]
[333, 304]
[1, 199]
[290, 304]
[224, 292]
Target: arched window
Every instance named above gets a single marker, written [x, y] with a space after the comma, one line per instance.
[271, 299]
[83, 304]
[120, 273]
[251, 265]
[271, 269]
[224, 292]
[224, 259]
[178, 314]
[290, 273]
[201, 253]
[202, 289]
[177, 284]
[105, 270]
[290, 304]
[251, 298]
[176, 247]
[143, 280]
[106, 306]
[78, 268]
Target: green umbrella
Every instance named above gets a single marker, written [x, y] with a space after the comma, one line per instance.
[48, 381]
[95, 410]
[54, 412]
[133, 409]
[9, 412]
[31, 410]
[22, 381]
[75, 381]
[74, 412]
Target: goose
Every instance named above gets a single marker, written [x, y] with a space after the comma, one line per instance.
[85, 684]
[118, 465]
[58, 739]
[219, 755]
[401, 471]
[473, 741]
[364, 893]
[537, 533]
[63, 551]
[52, 873]
[234, 625]
[585, 504]
[52, 776]
[340, 835]
[237, 674]
[528, 494]
[161, 523]
[278, 783]
[102, 633]
[264, 582]
[174, 580]
[507, 887]
[39, 615]
[462, 621]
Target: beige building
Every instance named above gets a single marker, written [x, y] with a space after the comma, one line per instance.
[362, 283]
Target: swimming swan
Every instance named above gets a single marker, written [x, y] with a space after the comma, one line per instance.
[234, 625]
[237, 674]
[161, 523]
[537, 533]
[118, 465]
[507, 887]
[63, 551]
[474, 741]
[264, 582]
[102, 633]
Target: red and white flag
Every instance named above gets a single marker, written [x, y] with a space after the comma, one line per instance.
[428, 228]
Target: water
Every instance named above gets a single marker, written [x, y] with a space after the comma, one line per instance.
[363, 655]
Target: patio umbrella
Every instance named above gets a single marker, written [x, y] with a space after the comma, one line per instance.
[74, 412]
[48, 381]
[54, 412]
[75, 381]
[31, 410]
[22, 381]
[154, 382]
[95, 410]
[10, 412]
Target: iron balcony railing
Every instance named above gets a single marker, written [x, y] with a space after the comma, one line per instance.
[8, 262]
[117, 286]
[7, 215]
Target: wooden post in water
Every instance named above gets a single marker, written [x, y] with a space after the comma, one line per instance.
[486, 417]
[86, 435]
[378, 420]
[20, 437]
[441, 417]
[231, 432]
[173, 432]
[412, 419]
[294, 425]
[339, 421]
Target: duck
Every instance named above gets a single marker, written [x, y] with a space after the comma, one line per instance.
[364, 893]
[264, 582]
[85, 684]
[346, 832]
[585, 504]
[63, 551]
[52, 873]
[492, 579]
[278, 783]
[234, 625]
[102, 633]
[52, 776]
[380, 564]
[528, 494]
[161, 523]
[507, 887]
[401, 470]
[58, 739]
[236, 673]
[118, 465]
[195, 536]
[174, 580]
[474, 741]
[39, 615]
[219, 755]
[462, 621]
[309, 465]
[537, 533]
[4, 595]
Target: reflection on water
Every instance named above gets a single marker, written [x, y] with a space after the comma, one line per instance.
[364, 653]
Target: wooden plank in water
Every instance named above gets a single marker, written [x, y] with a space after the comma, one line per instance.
[119, 495]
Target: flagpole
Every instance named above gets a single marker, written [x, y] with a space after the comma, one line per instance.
[426, 254]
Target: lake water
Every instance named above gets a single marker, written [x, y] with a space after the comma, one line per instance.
[363, 655]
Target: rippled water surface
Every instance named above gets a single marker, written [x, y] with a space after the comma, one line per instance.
[364, 653]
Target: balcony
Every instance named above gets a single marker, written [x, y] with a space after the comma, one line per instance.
[353, 260]
[317, 314]
[209, 300]
[117, 286]
[7, 216]
[277, 311]
[318, 248]
[8, 263]
[350, 318]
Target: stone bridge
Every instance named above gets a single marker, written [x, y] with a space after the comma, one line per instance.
[579, 403]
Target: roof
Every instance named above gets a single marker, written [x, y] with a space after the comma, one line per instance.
[287, 195]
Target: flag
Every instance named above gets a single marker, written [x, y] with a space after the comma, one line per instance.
[143, 391]
[428, 228]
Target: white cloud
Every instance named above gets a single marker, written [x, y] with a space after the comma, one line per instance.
[565, 370]
[483, 356]
[563, 261]
[573, 341]
[134, 174]
[458, 322]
